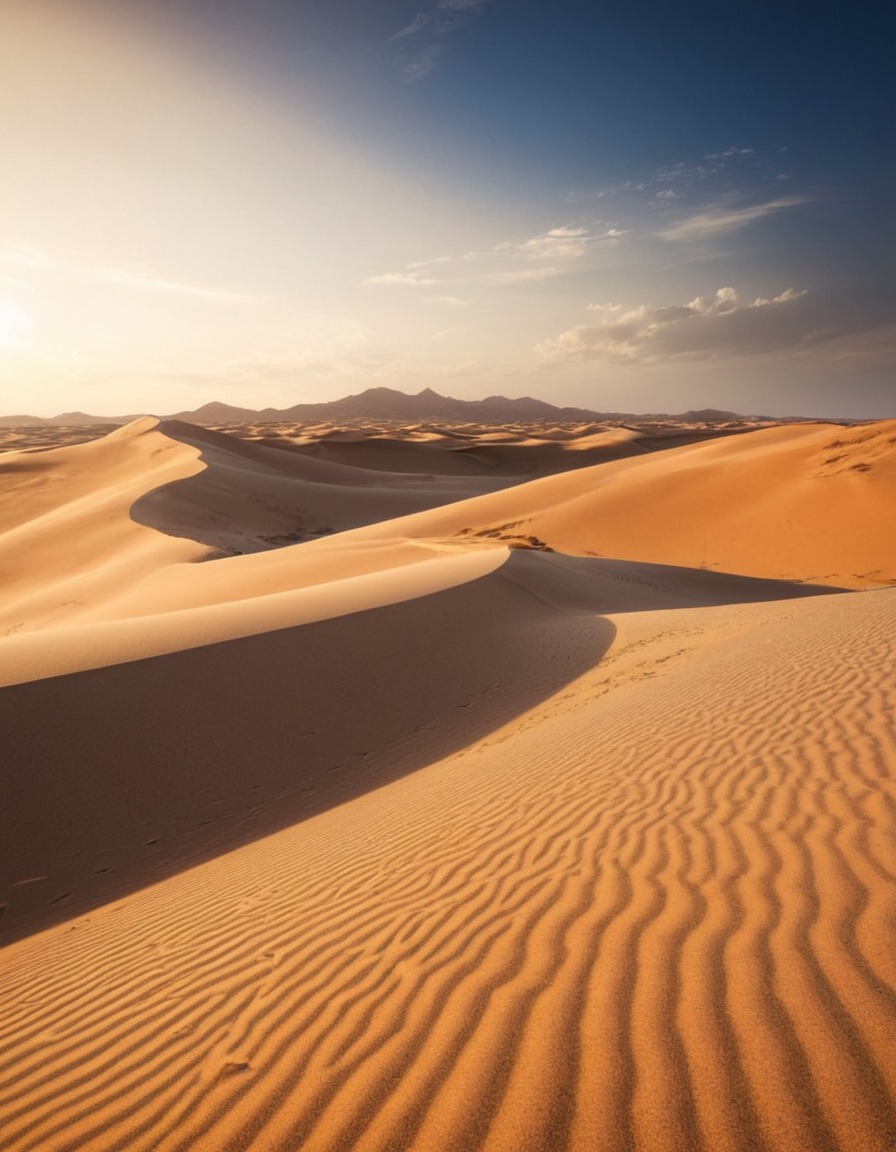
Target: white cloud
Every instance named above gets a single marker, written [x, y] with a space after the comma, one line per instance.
[144, 281]
[718, 219]
[414, 264]
[520, 275]
[566, 242]
[718, 324]
[729, 153]
[412, 279]
[556, 244]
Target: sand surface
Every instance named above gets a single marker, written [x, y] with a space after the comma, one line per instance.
[351, 806]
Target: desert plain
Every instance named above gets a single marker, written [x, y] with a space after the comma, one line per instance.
[519, 788]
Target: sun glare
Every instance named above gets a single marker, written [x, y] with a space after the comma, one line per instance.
[12, 324]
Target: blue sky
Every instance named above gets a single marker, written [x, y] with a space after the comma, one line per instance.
[631, 207]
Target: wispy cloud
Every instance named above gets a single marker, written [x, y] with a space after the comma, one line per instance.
[564, 244]
[520, 276]
[415, 64]
[729, 170]
[444, 16]
[23, 257]
[729, 153]
[407, 279]
[45, 264]
[450, 301]
[713, 221]
[418, 45]
[720, 324]
[724, 162]
[149, 283]
[458, 6]
[420, 21]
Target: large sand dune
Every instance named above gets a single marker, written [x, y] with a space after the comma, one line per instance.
[418, 835]
[803, 502]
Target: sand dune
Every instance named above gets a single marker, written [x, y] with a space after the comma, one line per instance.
[525, 449]
[475, 451]
[74, 521]
[227, 697]
[807, 503]
[628, 917]
[794, 503]
[251, 496]
[66, 534]
[419, 835]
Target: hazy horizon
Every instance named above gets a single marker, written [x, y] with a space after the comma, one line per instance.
[636, 208]
[261, 407]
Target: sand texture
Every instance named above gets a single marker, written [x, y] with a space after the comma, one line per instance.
[354, 807]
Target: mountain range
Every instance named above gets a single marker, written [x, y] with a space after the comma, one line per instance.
[379, 404]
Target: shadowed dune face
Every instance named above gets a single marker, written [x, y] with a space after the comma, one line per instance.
[251, 497]
[517, 451]
[515, 454]
[257, 491]
[190, 754]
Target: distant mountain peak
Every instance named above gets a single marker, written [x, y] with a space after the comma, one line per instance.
[384, 403]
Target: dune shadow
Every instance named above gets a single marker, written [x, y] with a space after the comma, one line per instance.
[254, 497]
[124, 775]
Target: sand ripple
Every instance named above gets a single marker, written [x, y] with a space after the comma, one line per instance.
[660, 916]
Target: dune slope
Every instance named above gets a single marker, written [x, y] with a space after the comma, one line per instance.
[250, 497]
[80, 525]
[653, 910]
[803, 502]
[67, 538]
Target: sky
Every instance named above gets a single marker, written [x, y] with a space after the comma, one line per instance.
[634, 207]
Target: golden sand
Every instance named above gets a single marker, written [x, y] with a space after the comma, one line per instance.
[504, 816]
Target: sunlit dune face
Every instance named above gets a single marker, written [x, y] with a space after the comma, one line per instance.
[12, 324]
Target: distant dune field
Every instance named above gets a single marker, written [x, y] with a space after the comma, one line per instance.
[449, 788]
